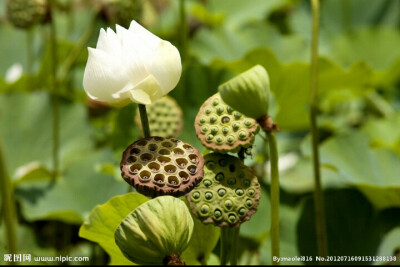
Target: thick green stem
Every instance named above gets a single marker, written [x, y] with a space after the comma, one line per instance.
[274, 232]
[235, 244]
[183, 30]
[144, 120]
[318, 196]
[29, 51]
[55, 95]
[8, 203]
[224, 245]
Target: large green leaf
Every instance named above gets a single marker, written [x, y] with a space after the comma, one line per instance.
[353, 226]
[81, 187]
[104, 220]
[375, 172]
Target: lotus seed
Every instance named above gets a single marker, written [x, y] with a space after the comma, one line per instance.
[208, 111]
[232, 218]
[220, 110]
[249, 203]
[207, 183]
[214, 130]
[247, 123]
[208, 195]
[215, 102]
[204, 209]
[237, 115]
[229, 109]
[231, 181]
[210, 137]
[242, 211]
[220, 140]
[225, 130]
[219, 177]
[213, 119]
[217, 213]
[228, 204]
[230, 139]
[246, 183]
[235, 126]
[251, 192]
[242, 135]
[241, 174]
[210, 165]
[239, 192]
[221, 192]
[196, 195]
[204, 129]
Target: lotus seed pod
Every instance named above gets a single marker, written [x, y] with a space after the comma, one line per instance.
[162, 166]
[229, 193]
[248, 92]
[121, 12]
[155, 231]
[165, 118]
[223, 129]
[26, 13]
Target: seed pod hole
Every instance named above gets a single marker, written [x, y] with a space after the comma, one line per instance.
[228, 204]
[219, 177]
[152, 147]
[225, 119]
[178, 151]
[131, 159]
[208, 195]
[231, 181]
[193, 158]
[158, 139]
[181, 162]
[251, 192]
[221, 192]
[232, 218]
[232, 168]
[135, 168]
[163, 159]
[146, 157]
[164, 152]
[135, 151]
[242, 211]
[204, 210]
[159, 178]
[145, 175]
[210, 165]
[207, 182]
[239, 192]
[246, 183]
[184, 176]
[154, 167]
[217, 213]
[192, 169]
[196, 195]
[222, 162]
[173, 181]
[249, 203]
[187, 147]
[170, 169]
[141, 143]
[166, 144]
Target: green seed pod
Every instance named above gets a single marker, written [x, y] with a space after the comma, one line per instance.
[229, 190]
[121, 12]
[165, 118]
[155, 231]
[26, 13]
[248, 92]
[162, 166]
[218, 127]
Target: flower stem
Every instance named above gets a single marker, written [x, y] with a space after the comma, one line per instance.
[235, 242]
[8, 203]
[274, 232]
[29, 51]
[55, 95]
[318, 196]
[224, 245]
[183, 29]
[144, 120]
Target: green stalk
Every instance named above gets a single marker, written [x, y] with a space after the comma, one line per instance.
[29, 51]
[224, 245]
[235, 242]
[274, 232]
[55, 95]
[318, 196]
[183, 29]
[8, 203]
[144, 120]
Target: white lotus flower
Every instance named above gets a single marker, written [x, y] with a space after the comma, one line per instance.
[131, 65]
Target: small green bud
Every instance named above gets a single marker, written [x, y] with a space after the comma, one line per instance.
[248, 92]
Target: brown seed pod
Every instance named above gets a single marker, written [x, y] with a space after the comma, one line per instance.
[229, 193]
[222, 129]
[158, 166]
